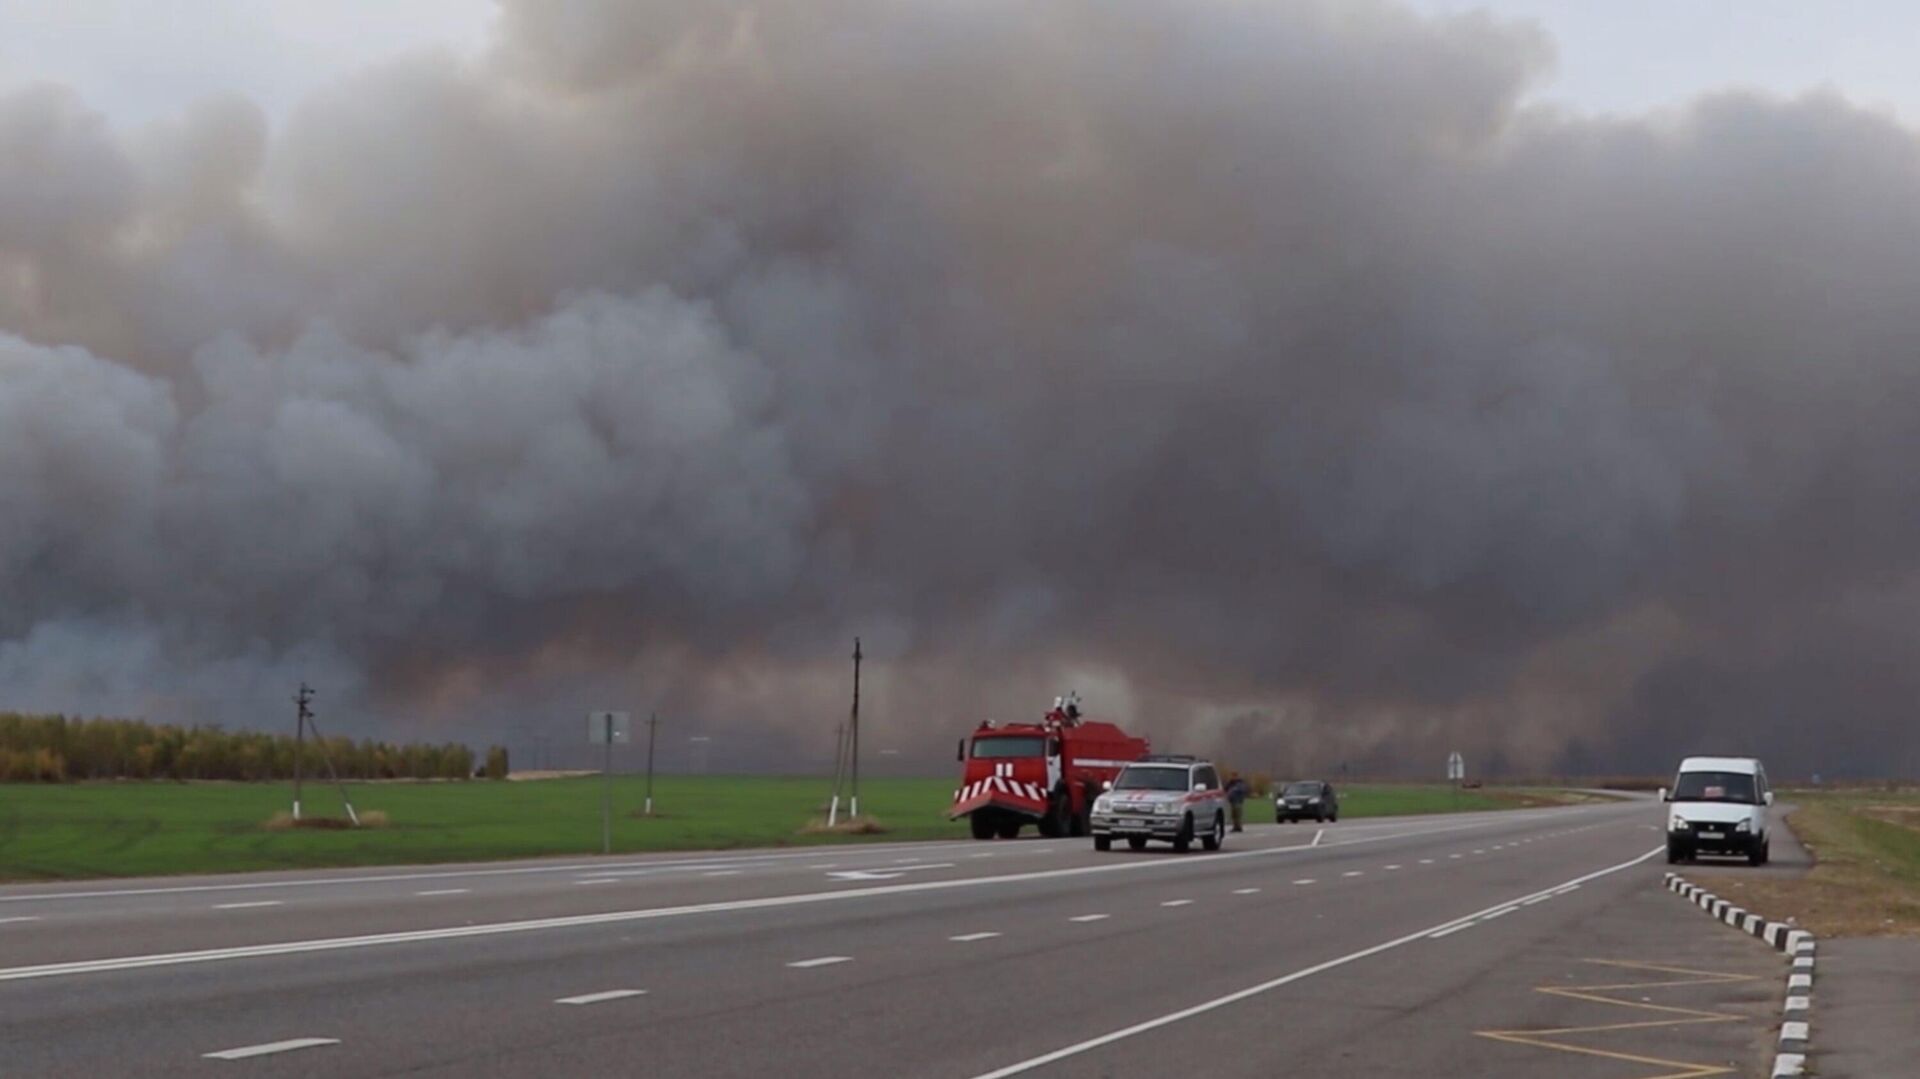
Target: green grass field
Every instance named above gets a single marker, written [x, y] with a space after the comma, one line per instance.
[50, 832]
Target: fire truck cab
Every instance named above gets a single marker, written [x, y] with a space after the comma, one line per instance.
[1046, 773]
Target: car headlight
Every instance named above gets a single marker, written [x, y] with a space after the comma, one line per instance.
[1676, 823]
[1315, 800]
[1743, 826]
[1101, 805]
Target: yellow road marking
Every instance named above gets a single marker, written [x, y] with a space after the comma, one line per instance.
[1675, 1017]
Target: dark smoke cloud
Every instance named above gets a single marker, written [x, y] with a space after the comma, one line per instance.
[1270, 373]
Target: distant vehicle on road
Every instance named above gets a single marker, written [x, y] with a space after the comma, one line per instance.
[1174, 799]
[1308, 798]
[1718, 805]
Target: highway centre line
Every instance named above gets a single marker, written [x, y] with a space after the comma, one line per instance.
[1286, 979]
[598, 998]
[269, 1048]
[324, 944]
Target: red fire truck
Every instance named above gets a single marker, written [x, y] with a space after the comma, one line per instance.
[1046, 773]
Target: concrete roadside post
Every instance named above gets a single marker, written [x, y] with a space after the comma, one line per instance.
[606, 729]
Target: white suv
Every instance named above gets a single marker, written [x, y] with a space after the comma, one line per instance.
[1718, 805]
[1175, 799]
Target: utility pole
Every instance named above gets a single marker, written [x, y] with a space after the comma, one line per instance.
[299, 736]
[653, 723]
[853, 726]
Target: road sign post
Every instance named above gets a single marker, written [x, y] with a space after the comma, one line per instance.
[653, 723]
[607, 729]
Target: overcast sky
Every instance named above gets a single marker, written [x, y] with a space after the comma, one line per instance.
[142, 59]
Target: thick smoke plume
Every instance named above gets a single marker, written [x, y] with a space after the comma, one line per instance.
[1271, 373]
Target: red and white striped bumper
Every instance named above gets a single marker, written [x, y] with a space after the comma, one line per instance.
[1001, 793]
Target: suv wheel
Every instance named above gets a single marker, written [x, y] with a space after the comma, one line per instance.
[1137, 842]
[1184, 840]
[1103, 842]
[1217, 835]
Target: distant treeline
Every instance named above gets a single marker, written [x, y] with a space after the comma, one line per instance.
[56, 749]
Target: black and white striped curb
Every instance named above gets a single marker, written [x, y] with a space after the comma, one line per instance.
[1795, 1024]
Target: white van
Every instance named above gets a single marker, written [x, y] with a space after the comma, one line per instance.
[1718, 805]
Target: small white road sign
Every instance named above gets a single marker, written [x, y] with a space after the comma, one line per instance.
[608, 728]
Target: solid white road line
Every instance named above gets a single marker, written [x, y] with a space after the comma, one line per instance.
[1268, 986]
[595, 998]
[1089, 917]
[1450, 929]
[244, 906]
[823, 961]
[1316, 837]
[969, 938]
[370, 940]
[444, 874]
[270, 1048]
[1176, 902]
[1536, 899]
[445, 891]
[1499, 913]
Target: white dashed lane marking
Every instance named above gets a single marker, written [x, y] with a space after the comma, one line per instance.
[596, 998]
[969, 938]
[1088, 917]
[1308, 880]
[1354, 873]
[599, 880]
[244, 906]
[1176, 902]
[445, 891]
[21, 918]
[269, 1048]
[722, 873]
[1393, 867]
[823, 961]
[1245, 891]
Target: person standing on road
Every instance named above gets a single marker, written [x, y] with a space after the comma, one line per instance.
[1237, 799]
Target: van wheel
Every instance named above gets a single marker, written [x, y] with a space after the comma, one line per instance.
[1217, 835]
[1757, 855]
[1184, 841]
[1673, 854]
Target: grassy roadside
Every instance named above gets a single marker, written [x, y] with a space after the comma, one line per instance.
[1866, 875]
[62, 831]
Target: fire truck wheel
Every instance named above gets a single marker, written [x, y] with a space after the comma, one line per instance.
[1184, 841]
[981, 824]
[1055, 824]
[1217, 835]
[1009, 829]
[1103, 842]
[1137, 842]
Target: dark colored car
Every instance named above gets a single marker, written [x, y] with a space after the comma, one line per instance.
[1309, 799]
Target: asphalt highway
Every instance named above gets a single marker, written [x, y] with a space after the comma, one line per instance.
[967, 959]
